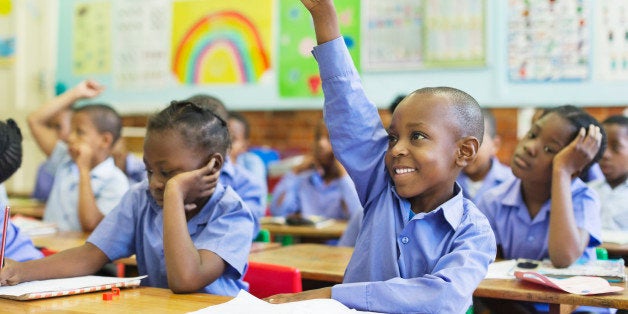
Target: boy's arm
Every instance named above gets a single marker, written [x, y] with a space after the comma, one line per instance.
[38, 120]
[88, 212]
[188, 269]
[80, 261]
[324, 18]
[566, 241]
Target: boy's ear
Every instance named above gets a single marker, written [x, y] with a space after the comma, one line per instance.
[219, 161]
[107, 140]
[467, 149]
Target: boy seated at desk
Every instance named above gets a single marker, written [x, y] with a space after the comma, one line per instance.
[87, 184]
[319, 186]
[423, 247]
[17, 245]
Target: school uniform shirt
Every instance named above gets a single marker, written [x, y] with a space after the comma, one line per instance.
[108, 182]
[350, 235]
[524, 237]
[308, 193]
[497, 174]
[249, 188]
[613, 201]
[429, 263]
[224, 226]
[18, 246]
[43, 181]
[255, 165]
[135, 169]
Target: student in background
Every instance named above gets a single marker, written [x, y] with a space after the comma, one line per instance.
[17, 245]
[87, 183]
[485, 172]
[240, 131]
[423, 247]
[613, 190]
[319, 186]
[132, 166]
[189, 232]
[546, 211]
[249, 187]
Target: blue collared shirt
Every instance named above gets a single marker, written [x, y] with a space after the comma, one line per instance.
[614, 209]
[523, 237]
[497, 174]
[108, 184]
[246, 186]
[254, 165]
[223, 226]
[431, 263]
[308, 193]
[18, 246]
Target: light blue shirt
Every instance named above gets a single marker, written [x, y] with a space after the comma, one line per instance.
[254, 165]
[249, 188]
[350, 235]
[523, 237]
[108, 184]
[18, 246]
[224, 226]
[495, 176]
[614, 204]
[431, 263]
[43, 181]
[308, 193]
[135, 169]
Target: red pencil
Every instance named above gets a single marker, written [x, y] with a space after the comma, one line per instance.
[7, 210]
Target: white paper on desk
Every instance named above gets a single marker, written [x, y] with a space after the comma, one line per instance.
[615, 236]
[246, 303]
[501, 270]
[62, 285]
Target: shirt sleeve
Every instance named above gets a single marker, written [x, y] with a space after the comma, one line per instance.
[286, 189]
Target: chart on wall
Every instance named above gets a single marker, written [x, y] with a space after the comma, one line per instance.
[297, 69]
[611, 43]
[549, 40]
[91, 54]
[411, 34]
[7, 34]
[226, 42]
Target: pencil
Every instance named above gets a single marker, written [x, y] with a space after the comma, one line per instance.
[7, 210]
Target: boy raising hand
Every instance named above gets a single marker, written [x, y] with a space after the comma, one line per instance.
[423, 247]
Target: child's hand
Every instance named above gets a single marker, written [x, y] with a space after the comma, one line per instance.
[196, 184]
[309, 4]
[322, 293]
[580, 152]
[9, 275]
[82, 155]
[308, 163]
[88, 89]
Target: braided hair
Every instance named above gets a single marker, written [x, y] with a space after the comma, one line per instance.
[10, 149]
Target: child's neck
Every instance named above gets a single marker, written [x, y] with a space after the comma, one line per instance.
[534, 196]
[617, 181]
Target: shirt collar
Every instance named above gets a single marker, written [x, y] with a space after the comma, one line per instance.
[451, 210]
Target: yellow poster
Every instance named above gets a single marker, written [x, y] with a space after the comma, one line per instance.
[91, 44]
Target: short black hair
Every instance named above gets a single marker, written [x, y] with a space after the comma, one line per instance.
[617, 119]
[200, 127]
[212, 103]
[468, 111]
[240, 117]
[393, 105]
[10, 149]
[104, 117]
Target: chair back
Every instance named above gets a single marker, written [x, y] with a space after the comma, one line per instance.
[269, 279]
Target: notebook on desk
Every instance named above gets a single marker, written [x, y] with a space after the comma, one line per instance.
[612, 270]
[315, 221]
[41, 289]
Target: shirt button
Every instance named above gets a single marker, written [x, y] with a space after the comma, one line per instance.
[405, 240]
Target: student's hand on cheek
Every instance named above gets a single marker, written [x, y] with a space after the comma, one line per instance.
[322, 293]
[8, 274]
[195, 184]
[82, 155]
[581, 151]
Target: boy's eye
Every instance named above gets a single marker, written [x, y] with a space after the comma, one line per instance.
[531, 134]
[392, 139]
[417, 136]
[549, 150]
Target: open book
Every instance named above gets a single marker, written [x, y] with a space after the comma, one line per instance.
[66, 286]
[312, 220]
[32, 226]
[612, 270]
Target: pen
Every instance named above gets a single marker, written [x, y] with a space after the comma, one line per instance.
[5, 225]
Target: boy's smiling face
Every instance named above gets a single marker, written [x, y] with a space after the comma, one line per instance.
[423, 140]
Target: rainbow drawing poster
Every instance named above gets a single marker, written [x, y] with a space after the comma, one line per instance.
[297, 70]
[221, 42]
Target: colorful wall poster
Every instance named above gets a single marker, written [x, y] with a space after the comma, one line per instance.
[91, 44]
[226, 42]
[548, 40]
[611, 40]
[297, 71]
[7, 34]
[141, 51]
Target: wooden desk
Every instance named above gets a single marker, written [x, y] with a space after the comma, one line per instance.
[61, 240]
[332, 231]
[137, 300]
[27, 207]
[614, 249]
[315, 261]
[560, 302]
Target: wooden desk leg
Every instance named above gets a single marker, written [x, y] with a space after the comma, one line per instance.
[561, 308]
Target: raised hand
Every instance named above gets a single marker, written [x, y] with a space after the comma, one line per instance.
[88, 89]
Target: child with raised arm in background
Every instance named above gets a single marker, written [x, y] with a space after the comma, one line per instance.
[249, 187]
[17, 245]
[546, 211]
[486, 171]
[613, 189]
[188, 231]
[87, 183]
[423, 247]
[319, 186]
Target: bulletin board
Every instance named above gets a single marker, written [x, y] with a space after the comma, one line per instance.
[255, 54]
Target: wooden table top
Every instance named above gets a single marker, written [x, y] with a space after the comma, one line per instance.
[133, 300]
[334, 230]
[27, 207]
[615, 249]
[315, 261]
[560, 302]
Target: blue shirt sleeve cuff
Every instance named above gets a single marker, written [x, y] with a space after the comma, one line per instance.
[333, 58]
[352, 295]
